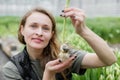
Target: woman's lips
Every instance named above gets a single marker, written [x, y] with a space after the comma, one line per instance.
[37, 40]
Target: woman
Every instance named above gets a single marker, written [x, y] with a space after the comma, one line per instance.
[38, 60]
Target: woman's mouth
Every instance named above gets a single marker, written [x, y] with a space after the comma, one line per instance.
[37, 40]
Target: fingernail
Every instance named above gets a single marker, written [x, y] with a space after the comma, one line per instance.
[64, 16]
[70, 55]
[60, 14]
[62, 10]
[74, 58]
[60, 61]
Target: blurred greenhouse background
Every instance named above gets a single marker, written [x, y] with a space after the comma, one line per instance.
[92, 7]
[103, 17]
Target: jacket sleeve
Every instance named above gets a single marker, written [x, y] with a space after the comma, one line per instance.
[10, 72]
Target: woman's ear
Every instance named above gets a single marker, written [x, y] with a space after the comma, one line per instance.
[21, 29]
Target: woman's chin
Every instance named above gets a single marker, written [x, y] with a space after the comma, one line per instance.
[37, 46]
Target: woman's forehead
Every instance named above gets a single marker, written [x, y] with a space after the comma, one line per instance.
[39, 17]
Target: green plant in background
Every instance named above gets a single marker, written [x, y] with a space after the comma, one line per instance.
[111, 72]
[77, 42]
[105, 73]
[8, 25]
[106, 27]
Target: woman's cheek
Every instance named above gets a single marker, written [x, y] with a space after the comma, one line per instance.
[28, 37]
[47, 38]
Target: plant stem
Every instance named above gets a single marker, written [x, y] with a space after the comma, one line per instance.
[64, 23]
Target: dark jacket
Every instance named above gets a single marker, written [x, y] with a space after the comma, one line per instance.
[23, 64]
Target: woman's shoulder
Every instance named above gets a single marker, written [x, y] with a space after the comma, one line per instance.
[9, 67]
[10, 72]
[9, 64]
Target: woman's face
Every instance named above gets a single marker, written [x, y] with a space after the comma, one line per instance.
[37, 31]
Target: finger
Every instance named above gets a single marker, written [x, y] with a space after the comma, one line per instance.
[79, 18]
[73, 14]
[55, 62]
[72, 9]
[67, 62]
[63, 65]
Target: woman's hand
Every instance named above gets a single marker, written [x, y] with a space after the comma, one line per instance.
[56, 66]
[77, 17]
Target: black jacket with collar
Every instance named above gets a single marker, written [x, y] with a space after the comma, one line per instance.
[23, 64]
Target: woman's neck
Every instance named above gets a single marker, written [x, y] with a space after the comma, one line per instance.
[34, 53]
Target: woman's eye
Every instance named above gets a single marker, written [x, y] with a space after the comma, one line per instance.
[33, 26]
[45, 28]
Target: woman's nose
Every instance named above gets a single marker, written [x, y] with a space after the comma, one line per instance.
[39, 32]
